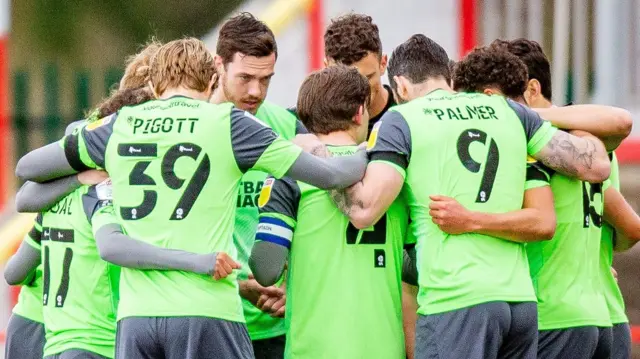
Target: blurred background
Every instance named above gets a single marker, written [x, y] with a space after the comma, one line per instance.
[60, 57]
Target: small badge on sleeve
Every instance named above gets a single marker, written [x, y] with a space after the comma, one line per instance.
[265, 193]
[373, 137]
[531, 159]
[99, 123]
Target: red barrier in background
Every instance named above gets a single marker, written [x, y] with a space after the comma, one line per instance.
[468, 27]
[4, 118]
[315, 34]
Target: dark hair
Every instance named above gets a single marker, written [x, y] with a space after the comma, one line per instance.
[486, 67]
[329, 98]
[418, 59]
[531, 53]
[350, 38]
[247, 35]
[452, 67]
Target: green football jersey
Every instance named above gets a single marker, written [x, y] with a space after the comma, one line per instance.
[471, 147]
[176, 165]
[565, 270]
[29, 303]
[612, 294]
[259, 324]
[343, 284]
[79, 293]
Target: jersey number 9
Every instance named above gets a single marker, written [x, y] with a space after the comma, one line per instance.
[466, 138]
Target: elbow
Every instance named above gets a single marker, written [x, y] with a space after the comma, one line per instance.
[10, 278]
[624, 122]
[264, 277]
[362, 219]
[23, 205]
[547, 229]
[22, 170]
[598, 172]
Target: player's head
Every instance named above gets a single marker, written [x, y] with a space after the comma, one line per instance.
[354, 40]
[414, 62]
[245, 60]
[491, 71]
[538, 93]
[183, 65]
[136, 72]
[335, 99]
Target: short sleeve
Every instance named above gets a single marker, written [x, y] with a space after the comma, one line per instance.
[278, 208]
[85, 148]
[538, 175]
[537, 131]
[256, 146]
[103, 214]
[390, 141]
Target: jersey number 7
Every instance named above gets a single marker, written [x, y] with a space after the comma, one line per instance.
[374, 235]
[466, 138]
[137, 177]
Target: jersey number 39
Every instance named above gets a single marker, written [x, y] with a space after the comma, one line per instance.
[137, 177]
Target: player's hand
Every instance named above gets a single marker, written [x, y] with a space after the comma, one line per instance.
[272, 301]
[311, 143]
[450, 216]
[615, 274]
[92, 177]
[224, 266]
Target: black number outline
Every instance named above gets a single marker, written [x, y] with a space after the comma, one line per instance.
[466, 138]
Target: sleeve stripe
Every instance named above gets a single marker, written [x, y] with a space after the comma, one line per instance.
[72, 153]
[398, 159]
[273, 239]
[275, 230]
[535, 174]
[275, 221]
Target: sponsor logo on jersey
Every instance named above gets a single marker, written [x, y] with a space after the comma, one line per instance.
[265, 193]
[373, 137]
[99, 123]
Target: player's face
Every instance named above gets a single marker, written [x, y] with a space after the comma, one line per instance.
[372, 67]
[245, 80]
[363, 128]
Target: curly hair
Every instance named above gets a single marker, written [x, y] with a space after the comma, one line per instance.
[489, 67]
[350, 38]
[531, 53]
[329, 98]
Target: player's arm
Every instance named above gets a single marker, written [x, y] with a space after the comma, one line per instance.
[39, 197]
[276, 224]
[536, 221]
[609, 124]
[409, 317]
[577, 154]
[22, 265]
[389, 152]
[621, 216]
[256, 146]
[120, 249]
[80, 151]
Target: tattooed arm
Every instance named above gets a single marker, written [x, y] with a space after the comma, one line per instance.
[576, 154]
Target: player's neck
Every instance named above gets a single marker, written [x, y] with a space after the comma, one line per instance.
[379, 102]
[338, 138]
[182, 91]
[544, 103]
[218, 96]
[430, 85]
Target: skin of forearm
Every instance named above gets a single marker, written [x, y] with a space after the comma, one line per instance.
[610, 124]
[522, 226]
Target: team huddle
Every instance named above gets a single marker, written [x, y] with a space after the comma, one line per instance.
[187, 217]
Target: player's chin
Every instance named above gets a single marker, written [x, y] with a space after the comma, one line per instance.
[251, 106]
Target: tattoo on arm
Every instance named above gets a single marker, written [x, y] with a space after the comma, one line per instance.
[320, 151]
[565, 153]
[345, 200]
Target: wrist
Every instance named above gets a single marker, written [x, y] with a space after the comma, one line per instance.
[475, 222]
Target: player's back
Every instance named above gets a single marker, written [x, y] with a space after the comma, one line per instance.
[471, 147]
[343, 289]
[175, 180]
[79, 288]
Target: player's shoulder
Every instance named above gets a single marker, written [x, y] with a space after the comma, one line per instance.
[273, 114]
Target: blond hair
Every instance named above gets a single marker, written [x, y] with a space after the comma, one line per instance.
[185, 62]
[136, 73]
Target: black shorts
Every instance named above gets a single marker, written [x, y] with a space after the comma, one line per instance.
[269, 348]
[484, 331]
[569, 343]
[182, 338]
[25, 339]
[621, 346]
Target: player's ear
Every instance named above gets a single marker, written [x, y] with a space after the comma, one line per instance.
[153, 90]
[402, 89]
[534, 88]
[358, 118]
[219, 64]
[488, 91]
[383, 63]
